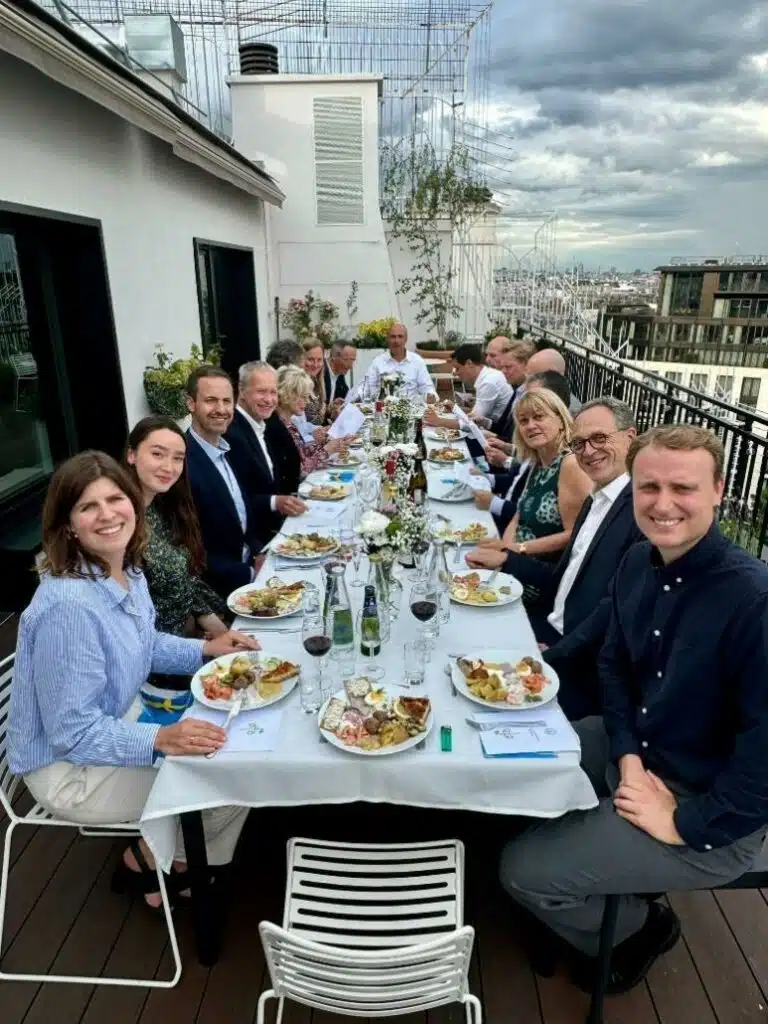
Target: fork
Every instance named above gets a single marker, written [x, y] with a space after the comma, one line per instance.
[488, 584]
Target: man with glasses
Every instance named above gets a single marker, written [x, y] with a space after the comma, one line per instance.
[572, 613]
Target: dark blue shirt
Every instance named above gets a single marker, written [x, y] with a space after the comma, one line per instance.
[684, 672]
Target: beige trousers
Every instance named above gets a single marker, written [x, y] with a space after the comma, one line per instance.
[94, 795]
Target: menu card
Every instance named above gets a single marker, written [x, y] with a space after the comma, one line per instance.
[250, 731]
[471, 428]
[347, 423]
[538, 732]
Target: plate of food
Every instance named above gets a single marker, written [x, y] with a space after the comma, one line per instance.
[266, 679]
[365, 408]
[471, 534]
[471, 589]
[275, 601]
[447, 454]
[442, 434]
[324, 492]
[503, 680]
[341, 459]
[306, 545]
[365, 720]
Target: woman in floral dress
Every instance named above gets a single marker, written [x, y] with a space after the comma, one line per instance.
[314, 362]
[174, 558]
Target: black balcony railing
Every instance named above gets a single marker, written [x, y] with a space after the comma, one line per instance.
[655, 400]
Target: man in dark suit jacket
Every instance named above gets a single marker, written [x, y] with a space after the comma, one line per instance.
[341, 359]
[228, 521]
[571, 616]
[263, 453]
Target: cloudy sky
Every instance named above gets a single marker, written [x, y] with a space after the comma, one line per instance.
[642, 123]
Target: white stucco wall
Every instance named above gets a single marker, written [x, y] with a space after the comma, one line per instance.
[64, 154]
[272, 119]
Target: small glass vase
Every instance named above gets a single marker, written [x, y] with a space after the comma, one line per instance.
[380, 578]
[398, 429]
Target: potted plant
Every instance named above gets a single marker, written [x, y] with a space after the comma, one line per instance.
[165, 382]
[311, 317]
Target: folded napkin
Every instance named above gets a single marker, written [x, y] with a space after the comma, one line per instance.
[540, 732]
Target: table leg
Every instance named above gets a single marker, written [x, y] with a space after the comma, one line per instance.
[205, 918]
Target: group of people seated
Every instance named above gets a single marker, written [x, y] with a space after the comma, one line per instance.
[654, 621]
[656, 625]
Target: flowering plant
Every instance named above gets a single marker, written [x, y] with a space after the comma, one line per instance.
[310, 317]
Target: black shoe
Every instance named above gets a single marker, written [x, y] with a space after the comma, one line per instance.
[633, 958]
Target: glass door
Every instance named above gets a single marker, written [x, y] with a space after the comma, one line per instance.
[25, 451]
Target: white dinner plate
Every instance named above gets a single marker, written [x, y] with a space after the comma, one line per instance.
[304, 558]
[305, 491]
[412, 741]
[352, 461]
[547, 694]
[259, 618]
[254, 700]
[502, 580]
[441, 462]
[431, 433]
[449, 539]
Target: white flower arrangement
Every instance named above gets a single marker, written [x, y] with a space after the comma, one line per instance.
[372, 528]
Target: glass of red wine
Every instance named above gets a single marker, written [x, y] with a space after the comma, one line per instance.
[317, 643]
[423, 605]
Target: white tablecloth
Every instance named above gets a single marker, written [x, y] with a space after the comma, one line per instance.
[307, 770]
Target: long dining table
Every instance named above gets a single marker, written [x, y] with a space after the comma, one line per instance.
[304, 769]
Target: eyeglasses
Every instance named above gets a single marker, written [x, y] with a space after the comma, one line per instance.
[596, 441]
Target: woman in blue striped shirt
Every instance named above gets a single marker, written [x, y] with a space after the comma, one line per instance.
[87, 643]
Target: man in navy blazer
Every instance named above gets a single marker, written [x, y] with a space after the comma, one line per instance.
[263, 453]
[228, 521]
[572, 614]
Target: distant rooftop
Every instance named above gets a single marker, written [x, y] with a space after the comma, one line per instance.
[739, 262]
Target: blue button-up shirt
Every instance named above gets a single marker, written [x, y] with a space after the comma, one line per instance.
[684, 672]
[85, 647]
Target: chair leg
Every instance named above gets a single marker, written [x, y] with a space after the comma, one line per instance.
[607, 935]
[261, 1005]
[4, 872]
[473, 1009]
[78, 979]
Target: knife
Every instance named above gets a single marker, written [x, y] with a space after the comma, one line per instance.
[237, 706]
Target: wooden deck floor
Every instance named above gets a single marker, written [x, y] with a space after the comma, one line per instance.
[63, 917]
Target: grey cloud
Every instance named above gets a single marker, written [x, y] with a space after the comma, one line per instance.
[602, 45]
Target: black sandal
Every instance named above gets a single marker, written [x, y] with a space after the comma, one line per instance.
[144, 881]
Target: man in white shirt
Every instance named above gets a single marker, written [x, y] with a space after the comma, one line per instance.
[572, 613]
[492, 392]
[409, 366]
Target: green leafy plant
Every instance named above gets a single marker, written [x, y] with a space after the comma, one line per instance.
[165, 382]
[425, 198]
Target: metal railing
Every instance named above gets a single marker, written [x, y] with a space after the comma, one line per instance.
[655, 401]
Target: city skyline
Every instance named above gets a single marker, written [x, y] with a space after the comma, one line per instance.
[642, 125]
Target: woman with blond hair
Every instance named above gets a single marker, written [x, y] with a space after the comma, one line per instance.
[555, 488]
[294, 390]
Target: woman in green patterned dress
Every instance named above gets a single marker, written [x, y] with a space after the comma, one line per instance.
[556, 486]
[174, 558]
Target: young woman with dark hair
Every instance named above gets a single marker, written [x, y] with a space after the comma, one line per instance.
[155, 457]
[86, 644]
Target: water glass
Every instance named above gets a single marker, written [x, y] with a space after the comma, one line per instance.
[311, 692]
[415, 659]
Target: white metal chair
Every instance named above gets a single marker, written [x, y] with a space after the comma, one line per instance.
[38, 816]
[371, 930]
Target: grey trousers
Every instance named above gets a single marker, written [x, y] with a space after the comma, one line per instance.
[561, 870]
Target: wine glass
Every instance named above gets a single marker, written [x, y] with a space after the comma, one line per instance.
[423, 605]
[420, 549]
[357, 557]
[317, 643]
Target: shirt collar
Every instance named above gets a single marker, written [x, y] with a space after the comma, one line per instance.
[408, 357]
[258, 425]
[211, 450]
[694, 562]
[612, 490]
[112, 591]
